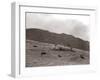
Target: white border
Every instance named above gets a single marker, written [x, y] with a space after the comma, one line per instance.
[18, 41]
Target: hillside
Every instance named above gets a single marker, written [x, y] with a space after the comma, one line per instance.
[35, 56]
[54, 38]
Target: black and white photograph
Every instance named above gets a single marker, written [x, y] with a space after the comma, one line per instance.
[55, 39]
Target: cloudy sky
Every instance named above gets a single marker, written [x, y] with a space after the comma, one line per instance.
[75, 25]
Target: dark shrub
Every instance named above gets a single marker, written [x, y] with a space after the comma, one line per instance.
[59, 56]
[35, 46]
[43, 53]
[82, 57]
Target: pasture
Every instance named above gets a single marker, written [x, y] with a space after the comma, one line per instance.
[44, 54]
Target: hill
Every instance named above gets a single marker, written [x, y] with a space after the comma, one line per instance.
[54, 38]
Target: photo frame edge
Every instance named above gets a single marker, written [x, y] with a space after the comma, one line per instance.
[15, 70]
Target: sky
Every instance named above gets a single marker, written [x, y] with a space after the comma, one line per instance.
[76, 25]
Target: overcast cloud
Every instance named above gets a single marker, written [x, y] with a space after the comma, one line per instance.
[75, 25]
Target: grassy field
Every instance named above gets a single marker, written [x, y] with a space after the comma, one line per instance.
[44, 54]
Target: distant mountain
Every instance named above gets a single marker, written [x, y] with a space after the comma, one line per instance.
[54, 38]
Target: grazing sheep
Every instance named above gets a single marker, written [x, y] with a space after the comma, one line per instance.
[59, 47]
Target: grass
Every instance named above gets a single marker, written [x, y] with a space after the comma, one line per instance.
[52, 56]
